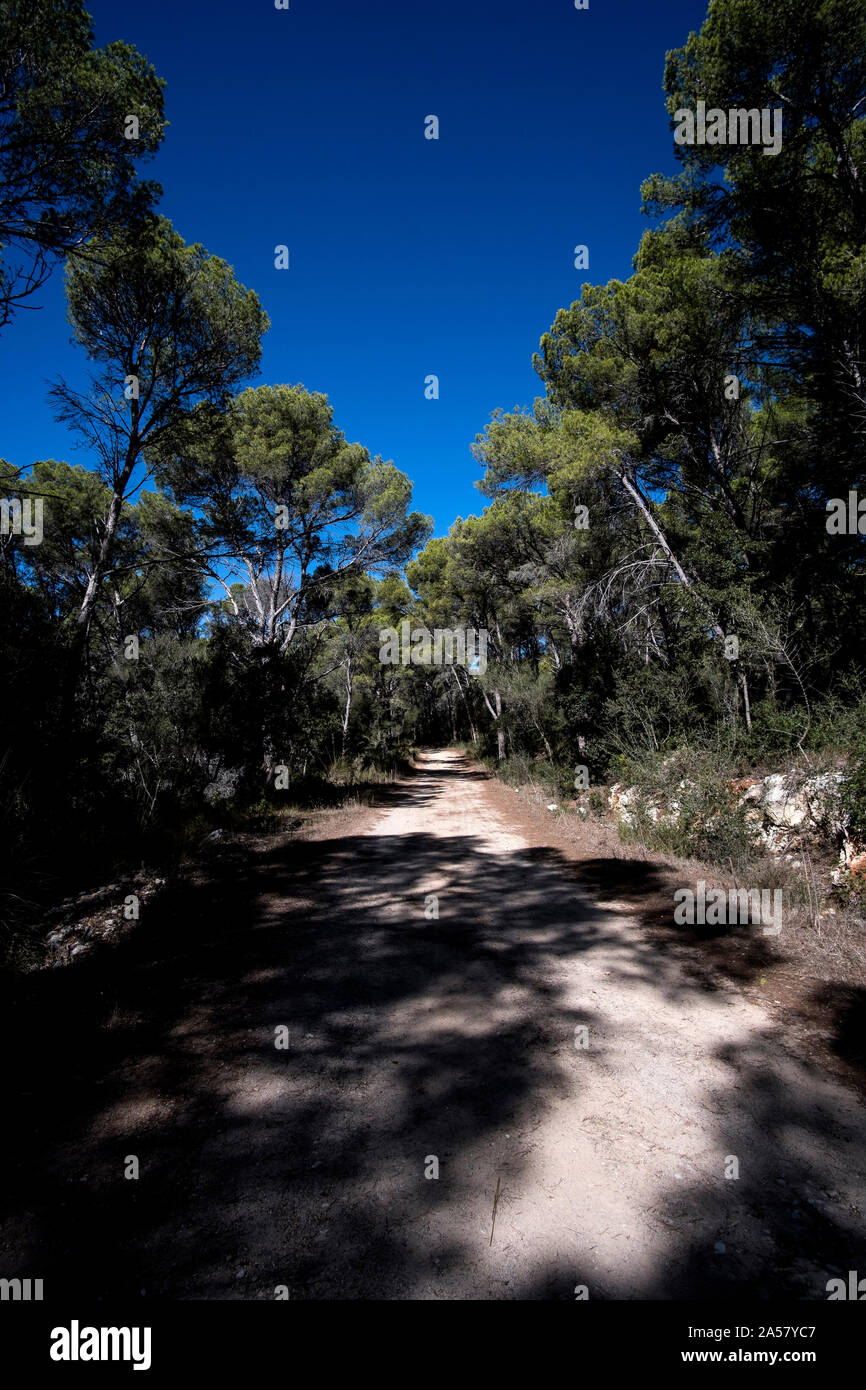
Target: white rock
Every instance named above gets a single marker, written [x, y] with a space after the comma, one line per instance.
[753, 794]
[783, 805]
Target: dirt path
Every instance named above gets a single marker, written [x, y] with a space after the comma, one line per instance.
[413, 1037]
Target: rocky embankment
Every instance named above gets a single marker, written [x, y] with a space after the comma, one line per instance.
[786, 813]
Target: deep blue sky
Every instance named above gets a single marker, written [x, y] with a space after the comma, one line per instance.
[408, 256]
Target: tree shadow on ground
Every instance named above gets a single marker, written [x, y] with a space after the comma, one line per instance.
[410, 1037]
[846, 1005]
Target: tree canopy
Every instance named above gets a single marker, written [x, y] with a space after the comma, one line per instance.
[75, 124]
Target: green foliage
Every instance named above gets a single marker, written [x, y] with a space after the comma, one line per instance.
[67, 170]
[522, 771]
[145, 303]
[777, 731]
[697, 819]
[295, 513]
[854, 792]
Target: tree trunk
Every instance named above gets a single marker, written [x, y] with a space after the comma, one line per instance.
[500, 732]
[747, 709]
[543, 738]
[348, 709]
[641, 503]
[466, 705]
[100, 569]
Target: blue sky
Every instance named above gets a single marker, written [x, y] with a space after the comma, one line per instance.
[408, 256]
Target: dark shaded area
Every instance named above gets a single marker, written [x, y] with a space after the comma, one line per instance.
[847, 1006]
[712, 954]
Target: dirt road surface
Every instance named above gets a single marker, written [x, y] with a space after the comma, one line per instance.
[414, 1038]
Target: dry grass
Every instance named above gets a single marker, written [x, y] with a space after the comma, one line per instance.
[822, 937]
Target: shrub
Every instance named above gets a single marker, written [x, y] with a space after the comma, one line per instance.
[854, 789]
